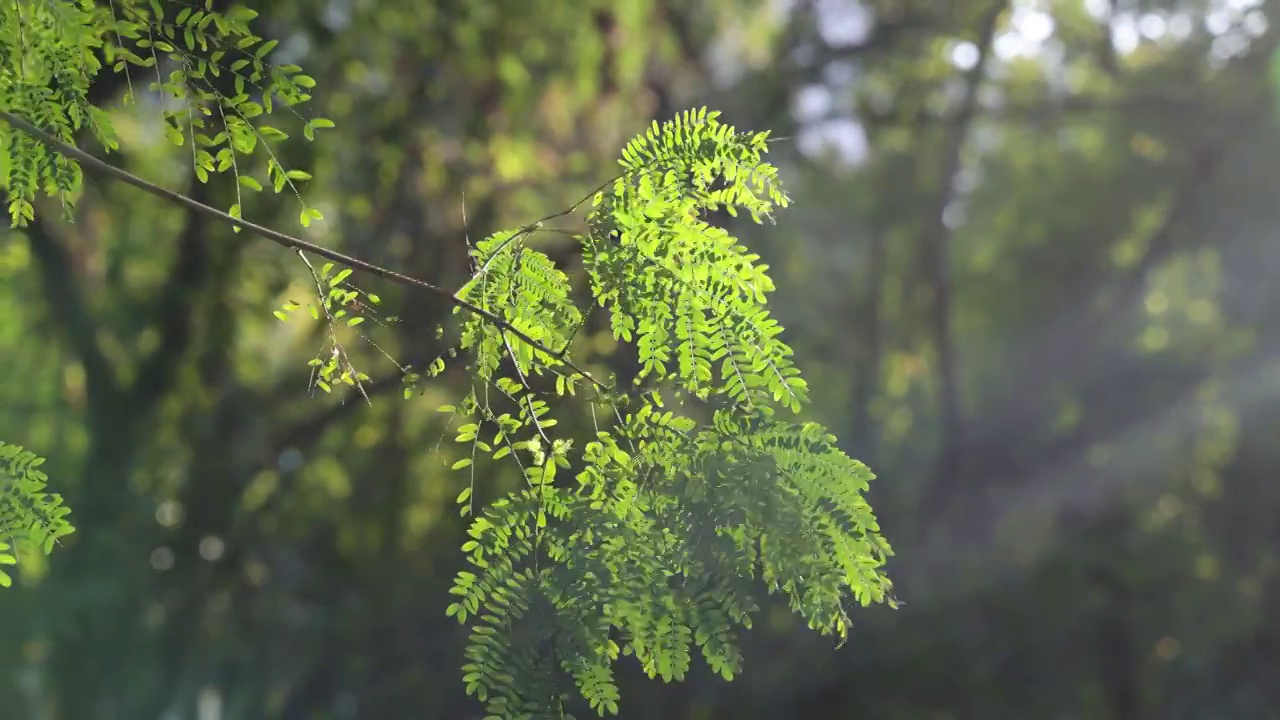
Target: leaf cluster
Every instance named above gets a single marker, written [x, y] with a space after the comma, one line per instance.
[206, 70]
[672, 515]
[29, 516]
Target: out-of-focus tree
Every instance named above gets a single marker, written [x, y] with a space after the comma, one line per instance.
[1032, 270]
[86, 597]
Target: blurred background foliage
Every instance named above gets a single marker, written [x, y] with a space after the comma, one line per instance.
[1030, 274]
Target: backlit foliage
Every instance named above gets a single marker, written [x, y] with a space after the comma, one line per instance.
[650, 537]
[696, 487]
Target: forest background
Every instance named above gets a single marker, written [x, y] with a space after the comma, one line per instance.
[1029, 274]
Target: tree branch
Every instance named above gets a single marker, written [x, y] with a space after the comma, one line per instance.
[869, 361]
[294, 243]
[189, 273]
[64, 296]
[880, 38]
[937, 263]
[1158, 104]
[1087, 336]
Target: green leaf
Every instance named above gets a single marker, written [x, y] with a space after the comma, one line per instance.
[309, 130]
[266, 132]
[265, 48]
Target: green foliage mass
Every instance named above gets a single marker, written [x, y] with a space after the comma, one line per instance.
[650, 538]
